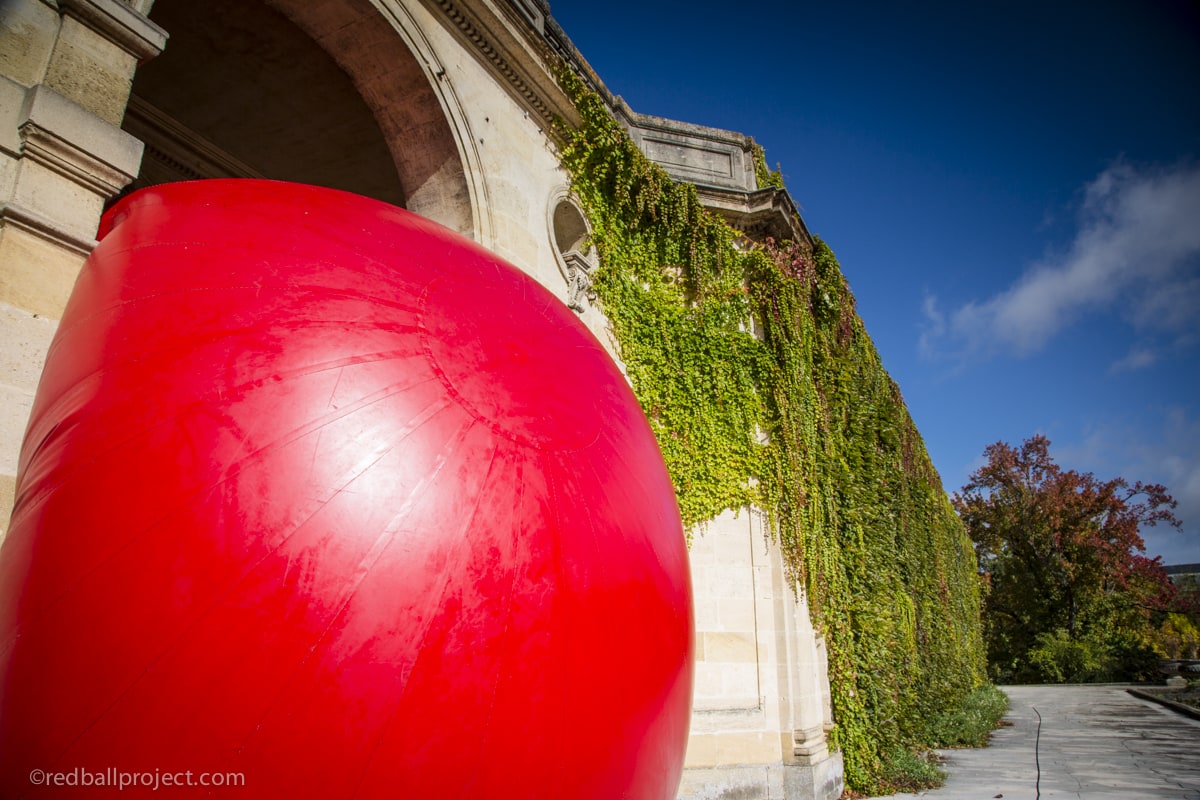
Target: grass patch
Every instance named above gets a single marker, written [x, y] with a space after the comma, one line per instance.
[906, 771]
[903, 770]
[971, 725]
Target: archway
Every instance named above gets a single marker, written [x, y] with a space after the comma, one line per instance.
[285, 89]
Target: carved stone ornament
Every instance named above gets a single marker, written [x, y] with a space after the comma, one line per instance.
[579, 280]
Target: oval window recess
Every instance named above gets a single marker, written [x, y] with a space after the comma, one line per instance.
[569, 230]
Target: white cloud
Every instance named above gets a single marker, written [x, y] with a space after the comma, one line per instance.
[935, 326]
[1137, 250]
[1137, 358]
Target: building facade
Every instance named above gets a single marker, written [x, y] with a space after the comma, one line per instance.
[446, 108]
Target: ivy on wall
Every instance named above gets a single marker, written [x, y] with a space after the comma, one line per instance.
[764, 175]
[763, 388]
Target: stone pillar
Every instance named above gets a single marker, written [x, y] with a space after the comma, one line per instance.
[66, 69]
[760, 710]
[810, 770]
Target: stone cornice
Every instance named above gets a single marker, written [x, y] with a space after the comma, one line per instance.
[42, 146]
[17, 216]
[67, 139]
[120, 24]
[512, 46]
[759, 214]
[720, 163]
[674, 126]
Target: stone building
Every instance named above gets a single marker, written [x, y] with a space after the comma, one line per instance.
[1186, 577]
[443, 107]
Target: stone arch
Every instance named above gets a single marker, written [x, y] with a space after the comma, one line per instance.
[325, 93]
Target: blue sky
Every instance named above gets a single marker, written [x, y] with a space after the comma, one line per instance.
[1013, 191]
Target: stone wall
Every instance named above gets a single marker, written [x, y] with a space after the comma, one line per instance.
[761, 704]
[65, 74]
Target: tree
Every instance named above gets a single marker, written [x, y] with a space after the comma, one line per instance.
[1064, 564]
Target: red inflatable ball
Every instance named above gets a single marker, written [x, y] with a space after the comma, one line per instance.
[321, 500]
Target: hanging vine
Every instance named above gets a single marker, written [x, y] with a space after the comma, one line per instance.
[764, 389]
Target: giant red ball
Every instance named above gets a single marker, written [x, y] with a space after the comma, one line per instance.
[320, 494]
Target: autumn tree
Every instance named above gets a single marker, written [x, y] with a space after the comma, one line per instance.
[1071, 594]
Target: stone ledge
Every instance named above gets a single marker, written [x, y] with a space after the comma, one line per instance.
[728, 718]
[77, 144]
[21, 218]
[720, 164]
[809, 746]
[120, 24]
[692, 153]
[759, 214]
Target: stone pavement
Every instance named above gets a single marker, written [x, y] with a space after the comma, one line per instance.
[1096, 743]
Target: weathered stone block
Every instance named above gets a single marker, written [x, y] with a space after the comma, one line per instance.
[35, 274]
[26, 339]
[91, 71]
[28, 29]
[729, 647]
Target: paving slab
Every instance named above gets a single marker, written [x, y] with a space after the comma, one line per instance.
[1090, 743]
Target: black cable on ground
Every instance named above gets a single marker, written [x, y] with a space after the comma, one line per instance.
[1036, 760]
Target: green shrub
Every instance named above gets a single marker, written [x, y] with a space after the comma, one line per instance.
[970, 725]
[1058, 658]
[1131, 659]
[904, 770]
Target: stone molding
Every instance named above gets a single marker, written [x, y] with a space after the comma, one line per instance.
[521, 36]
[518, 41]
[809, 745]
[20, 218]
[42, 146]
[120, 24]
[484, 38]
[179, 150]
[76, 144]
[721, 165]
[692, 153]
[759, 214]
